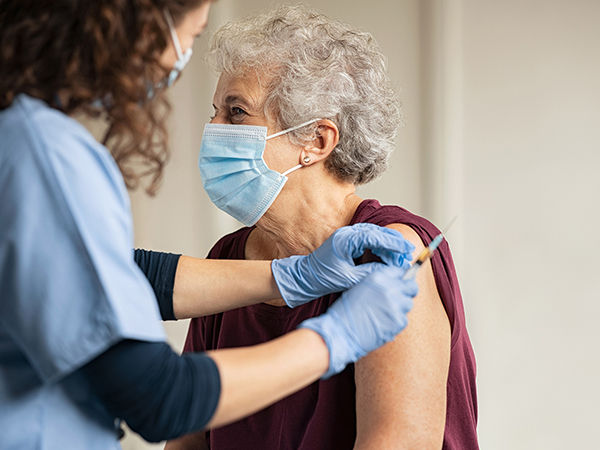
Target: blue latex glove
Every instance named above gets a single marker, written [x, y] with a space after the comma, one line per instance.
[331, 268]
[365, 317]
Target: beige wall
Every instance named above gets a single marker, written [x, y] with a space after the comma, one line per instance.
[501, 104]
[531, 169]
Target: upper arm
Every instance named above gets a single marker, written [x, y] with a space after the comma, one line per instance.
[401, 387]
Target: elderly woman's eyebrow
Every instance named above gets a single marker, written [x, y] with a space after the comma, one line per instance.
[240, 100]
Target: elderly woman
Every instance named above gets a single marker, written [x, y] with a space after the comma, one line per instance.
[289, 68]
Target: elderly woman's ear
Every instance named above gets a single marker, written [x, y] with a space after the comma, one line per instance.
[326, 139]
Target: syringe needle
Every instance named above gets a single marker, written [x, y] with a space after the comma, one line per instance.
[427, 252]
[449, 225]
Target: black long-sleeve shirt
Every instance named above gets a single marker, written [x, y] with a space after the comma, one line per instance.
[160, 394]
[160, 269]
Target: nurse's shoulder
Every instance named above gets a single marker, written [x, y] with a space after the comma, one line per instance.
[66, 243]
[39, 141]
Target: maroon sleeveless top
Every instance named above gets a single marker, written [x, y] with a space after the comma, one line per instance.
[322, 415]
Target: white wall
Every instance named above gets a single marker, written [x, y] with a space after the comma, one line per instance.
[501, 104]
[531, 178]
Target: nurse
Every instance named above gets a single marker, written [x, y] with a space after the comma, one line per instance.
[81, 344]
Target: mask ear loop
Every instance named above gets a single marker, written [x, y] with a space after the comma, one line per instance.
[287, 172]
[291, 129]
[174, 36]
[280, 133]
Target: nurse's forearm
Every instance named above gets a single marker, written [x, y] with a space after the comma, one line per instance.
[255, 377]
[209, 286]
[162, 395]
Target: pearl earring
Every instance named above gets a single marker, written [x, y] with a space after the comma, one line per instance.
[306, 159]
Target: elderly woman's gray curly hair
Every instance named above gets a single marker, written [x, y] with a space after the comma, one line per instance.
[316, 67]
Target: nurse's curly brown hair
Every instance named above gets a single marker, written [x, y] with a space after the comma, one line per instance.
[97, 58]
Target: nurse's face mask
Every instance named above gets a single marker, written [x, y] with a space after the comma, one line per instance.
[182, 58]
[234, 173]
[151, 88]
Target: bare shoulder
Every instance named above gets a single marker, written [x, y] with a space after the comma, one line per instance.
[409, 234]
[428, 298]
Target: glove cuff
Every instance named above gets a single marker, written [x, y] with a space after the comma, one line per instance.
[287, 273]
[336, 341]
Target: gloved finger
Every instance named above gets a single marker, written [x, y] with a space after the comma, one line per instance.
[392, 275]
[402, 307]
[395, 248]
[401, 260]
[366, 269]
[353, 238]
[402, 323]
[390, 258]
[378, 240]
[392, 278]
[406, 307]
[409, 287]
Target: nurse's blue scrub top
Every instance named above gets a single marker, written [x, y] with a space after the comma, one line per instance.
[69, 285]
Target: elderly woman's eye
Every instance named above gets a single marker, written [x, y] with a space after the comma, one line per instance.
[236, 111]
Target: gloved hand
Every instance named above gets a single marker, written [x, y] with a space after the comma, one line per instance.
[365, 317]
[331, 268]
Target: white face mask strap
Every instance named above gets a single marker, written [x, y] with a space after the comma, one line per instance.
[287, 172]
[291, 129]
[174, 36]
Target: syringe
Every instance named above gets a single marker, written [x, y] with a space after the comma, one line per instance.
[426, 253]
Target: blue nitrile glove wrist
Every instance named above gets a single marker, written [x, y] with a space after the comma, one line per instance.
[331, 268]
[365, 317]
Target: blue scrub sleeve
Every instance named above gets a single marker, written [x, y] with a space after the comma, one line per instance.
[70, 286]
[160, 394]
[160, 269]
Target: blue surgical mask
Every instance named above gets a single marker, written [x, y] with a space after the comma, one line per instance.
[234, 173]
[182, 58]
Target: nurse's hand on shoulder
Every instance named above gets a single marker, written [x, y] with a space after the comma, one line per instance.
[331, 268]
[365, 317]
